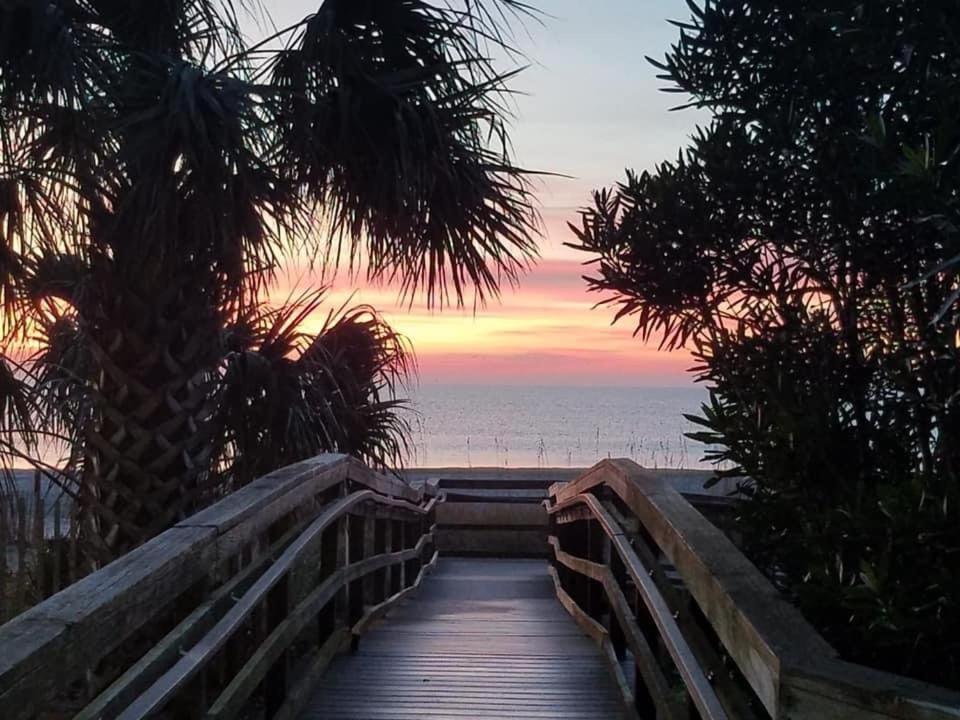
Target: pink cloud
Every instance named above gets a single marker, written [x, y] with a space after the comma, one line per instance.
[545, 330]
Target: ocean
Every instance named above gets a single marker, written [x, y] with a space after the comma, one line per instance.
[531, 426]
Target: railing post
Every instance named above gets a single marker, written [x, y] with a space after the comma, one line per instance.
[576, 543]
[278, 602]
[398, 571]
[596, 597]
[410, 541]
[327, 617]
[343, 560]
[369, 583]
[642, 699]
[355, 553]
[381, 580]
[275, 683]
[613, 561]
[399, 543]
[4, 542]
[390, 572]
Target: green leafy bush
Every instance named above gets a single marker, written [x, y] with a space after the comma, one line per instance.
[805, 247]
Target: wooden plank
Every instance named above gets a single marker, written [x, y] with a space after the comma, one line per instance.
[375, 612]
[384, 484]
[236, 694]
[786, 662]
[836, 690]
[484, 638]
[590, 626]
[300, 693]
[494, 474]
[493, 541]
[53, 642]
[492, 514]
[699, 687]
[249, 511]
[4, 544]
[643, 654]
[162, 655]
[759, 629]
[190, 663]
[20, 584]
[57, 548]
[30, 660]
[38, 512]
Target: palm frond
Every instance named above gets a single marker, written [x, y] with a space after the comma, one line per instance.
[43, 51]
[196, 181]
[392, 120]
[64, 397]
[154, 167]
[17, 430]
[288, 394]
[196, 29]
[16, 418]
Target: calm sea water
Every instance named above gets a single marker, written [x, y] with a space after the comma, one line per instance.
[524, 426]
[507, 426]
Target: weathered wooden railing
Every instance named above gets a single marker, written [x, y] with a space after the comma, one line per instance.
[663, 590]
[240, 607]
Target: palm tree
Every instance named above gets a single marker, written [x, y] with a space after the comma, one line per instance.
[156, 168]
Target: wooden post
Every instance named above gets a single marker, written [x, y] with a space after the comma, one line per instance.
[20, 598]
[38, 534]
[369, 582]
[342, 604]
[596, 596]
[73, 559]
[613, 561]
[327, 617]
[642, 699]
[400, 571]
[578, 545]
[4, 544]
[275, 682]
[57, 548]
[411, 568]
[394, 572]
[382, 578]
[357, 534]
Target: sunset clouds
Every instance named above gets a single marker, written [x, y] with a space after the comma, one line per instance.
[545, 331]
[588, 105]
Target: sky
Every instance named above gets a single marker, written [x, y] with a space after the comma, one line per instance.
[590, 106]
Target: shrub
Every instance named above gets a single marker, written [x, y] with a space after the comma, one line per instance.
[805, 247]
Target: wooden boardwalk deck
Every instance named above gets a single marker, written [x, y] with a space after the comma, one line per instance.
[483, 639]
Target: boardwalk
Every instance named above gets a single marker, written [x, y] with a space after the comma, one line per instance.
[484, 638]
[327, 547]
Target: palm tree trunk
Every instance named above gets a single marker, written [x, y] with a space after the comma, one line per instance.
[149, 445]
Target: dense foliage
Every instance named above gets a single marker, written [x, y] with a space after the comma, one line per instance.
[806, 247]
[157, 168]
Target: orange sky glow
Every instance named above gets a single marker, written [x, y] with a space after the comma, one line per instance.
[546, 331]
[587, 105]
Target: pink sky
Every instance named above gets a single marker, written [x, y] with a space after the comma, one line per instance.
[546, 331]
[588, 105]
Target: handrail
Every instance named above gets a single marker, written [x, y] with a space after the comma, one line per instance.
[701, 692]
[248, 560]
[787, 665]
[652, 674]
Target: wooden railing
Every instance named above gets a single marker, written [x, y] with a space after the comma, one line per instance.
[663, 590]
[240, 606]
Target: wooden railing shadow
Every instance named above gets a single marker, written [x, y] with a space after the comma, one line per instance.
[668, 594]
[240, 607]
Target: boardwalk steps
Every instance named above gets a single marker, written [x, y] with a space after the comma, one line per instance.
[483, 639]
[245, 610]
